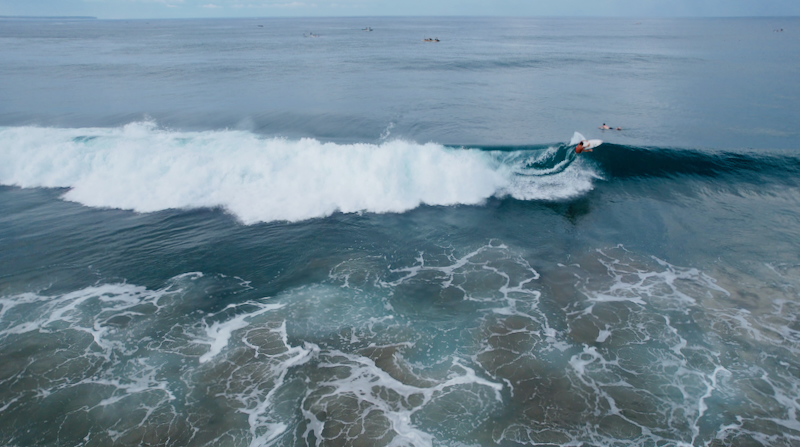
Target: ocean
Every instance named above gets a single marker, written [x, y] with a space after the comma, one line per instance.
[291, 232]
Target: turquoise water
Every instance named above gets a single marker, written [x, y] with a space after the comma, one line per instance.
[220, 233]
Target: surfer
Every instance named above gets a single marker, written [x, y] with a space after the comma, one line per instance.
[581, 147]
[604, 127]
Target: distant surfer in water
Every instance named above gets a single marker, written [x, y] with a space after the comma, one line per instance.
[604, 127]
[582, 147]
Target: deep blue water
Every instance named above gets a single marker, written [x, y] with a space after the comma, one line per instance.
[229, 232]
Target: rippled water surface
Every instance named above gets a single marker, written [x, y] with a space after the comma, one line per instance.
[228, 232]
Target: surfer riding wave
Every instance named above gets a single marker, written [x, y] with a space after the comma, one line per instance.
[583, 144]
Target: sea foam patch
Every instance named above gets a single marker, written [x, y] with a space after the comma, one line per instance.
[173, 362]
[143, 168]
[667, 354]
[432, 347]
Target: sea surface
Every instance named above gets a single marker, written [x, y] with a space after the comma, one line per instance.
[291, 232]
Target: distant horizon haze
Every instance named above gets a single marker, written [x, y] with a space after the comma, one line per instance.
[173, 9]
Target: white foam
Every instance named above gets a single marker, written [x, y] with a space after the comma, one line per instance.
[219, 333]
[143, 168]
[119, 300]
[265, 427]
[639, 284]
[367, 383]
[603, 335]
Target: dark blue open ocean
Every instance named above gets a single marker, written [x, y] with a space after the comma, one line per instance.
[290, 232]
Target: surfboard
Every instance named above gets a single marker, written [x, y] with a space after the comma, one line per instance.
[577, 138]
[591, 144]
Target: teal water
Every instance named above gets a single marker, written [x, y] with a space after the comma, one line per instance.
[215, 233]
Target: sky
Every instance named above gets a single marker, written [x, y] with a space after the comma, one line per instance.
[153, 9]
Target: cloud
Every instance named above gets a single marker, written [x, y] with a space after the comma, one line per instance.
[167, 3]
[293, 5]
[211, 6]
[287, 5]
[343, 6]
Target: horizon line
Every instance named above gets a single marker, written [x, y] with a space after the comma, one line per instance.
[29, 17]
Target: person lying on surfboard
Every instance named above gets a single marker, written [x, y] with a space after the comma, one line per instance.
[581, 147]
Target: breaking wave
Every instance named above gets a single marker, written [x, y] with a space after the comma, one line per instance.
[144, 168]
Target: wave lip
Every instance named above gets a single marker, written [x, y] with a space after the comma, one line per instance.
[143, 168]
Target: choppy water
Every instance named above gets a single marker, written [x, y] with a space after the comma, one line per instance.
[220, 233]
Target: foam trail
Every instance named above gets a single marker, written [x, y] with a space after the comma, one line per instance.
[143, 168]
[218, 334]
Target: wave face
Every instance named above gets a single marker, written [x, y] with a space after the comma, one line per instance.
[143, 168]
[621, 162]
